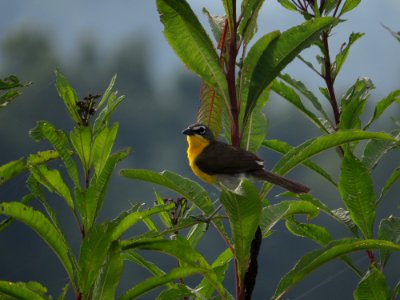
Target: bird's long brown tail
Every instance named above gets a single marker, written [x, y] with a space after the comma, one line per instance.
[276, 179]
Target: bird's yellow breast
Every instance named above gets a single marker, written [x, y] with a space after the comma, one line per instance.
[196, 145]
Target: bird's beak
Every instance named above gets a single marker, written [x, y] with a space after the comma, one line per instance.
[188, 131]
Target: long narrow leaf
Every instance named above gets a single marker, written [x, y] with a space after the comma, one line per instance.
[313, 260]
[22, 291]
[357, 192]
[319, 144]
[68, 95]
[279, 53]
[44, 228]
[193, 46]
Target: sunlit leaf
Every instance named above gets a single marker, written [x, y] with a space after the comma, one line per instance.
[22, 291]
[313, 260]
[11, 169]
[349, 5]
[193, 46]
[314, 232]
[344, 52]
[44, 228]
[276, 55]
[81, 139]
[53, 181]
[68, 95]
[248, 24]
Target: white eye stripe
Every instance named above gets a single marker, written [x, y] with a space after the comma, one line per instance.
[200, 129]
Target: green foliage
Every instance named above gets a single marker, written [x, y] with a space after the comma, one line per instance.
[10, 88]
[236, 89]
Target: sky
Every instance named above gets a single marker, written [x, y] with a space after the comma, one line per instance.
[113, 21]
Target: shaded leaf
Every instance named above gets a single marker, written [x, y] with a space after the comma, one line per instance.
[110, 273]
[389, 229]
[344, 217]
[389, 183]
[217, 24]
[357, 192]
[243, 211]
[272, 214]
[11, 169]
[392, 32]
[102, 146]
[313, 232]
[382, 105]
[353, 103]
[248, 24]
[372, 286]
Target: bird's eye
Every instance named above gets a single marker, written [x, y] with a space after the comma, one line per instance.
[201, 130]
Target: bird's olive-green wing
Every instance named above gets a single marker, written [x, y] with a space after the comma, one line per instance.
[221, 158]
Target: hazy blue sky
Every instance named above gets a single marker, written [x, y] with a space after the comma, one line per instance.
[113, 21]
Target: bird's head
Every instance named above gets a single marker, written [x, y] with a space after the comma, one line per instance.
[199, 130]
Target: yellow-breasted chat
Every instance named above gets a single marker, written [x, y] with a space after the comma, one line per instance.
[224, 165]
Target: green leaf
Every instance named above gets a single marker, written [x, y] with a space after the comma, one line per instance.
[314, 146]
[186, 187]
[110, 273]
[389, 183]
[59, 141]
[140, 261]
[344, 52]
[353, 103]
[288, 93]
[90, 201]
[81, 139]
[357, 192]
[93, 252]
[108, 92]
[313, 232]
[68, 95]
[191, 43]
[344, 217]
[11, 169]
[42, 157]
[211, 109]
[217, 24]
[382, 105]
[372, 286]
[283, 148]
[349, 5]
[182, 250]
[375, 150]
[220, 266]
[22, 290]
[179, 291]
[272, 214]
[127, 220]
[315, 259]
[392, 32]
[53, 181]
[300, 87]
[256, 127]
[147, 285]
[102, 146]
[288, 5]
[389, 229]
[248, 24]
[279, 53]
[243, 211]
[44, 228]
[103, 120]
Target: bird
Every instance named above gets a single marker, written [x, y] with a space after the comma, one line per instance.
[225, 166]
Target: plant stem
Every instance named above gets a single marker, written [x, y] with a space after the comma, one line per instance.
[231, 78]
[329, 80]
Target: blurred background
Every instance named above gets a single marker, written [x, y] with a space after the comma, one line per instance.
[89, 41]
